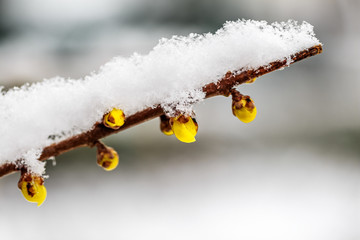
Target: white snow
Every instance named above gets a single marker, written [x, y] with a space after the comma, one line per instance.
[172, 75]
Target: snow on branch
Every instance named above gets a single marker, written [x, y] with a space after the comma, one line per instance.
[45, 119]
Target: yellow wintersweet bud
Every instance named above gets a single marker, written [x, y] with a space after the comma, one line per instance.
[32, 187]
[165, 126]
[168, 132]
[107, 157]
[184, 128]
[114, 119]
[251, 80]
[244, 109]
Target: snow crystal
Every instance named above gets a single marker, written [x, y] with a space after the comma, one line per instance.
[171, 75]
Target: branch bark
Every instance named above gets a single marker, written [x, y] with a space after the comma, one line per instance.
[222, 87]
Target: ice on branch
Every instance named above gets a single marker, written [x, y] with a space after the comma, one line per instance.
[171, 75]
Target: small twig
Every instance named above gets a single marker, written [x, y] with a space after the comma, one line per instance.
[222, 87]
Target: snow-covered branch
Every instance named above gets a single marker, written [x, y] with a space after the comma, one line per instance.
[59, 115]
[100, 131]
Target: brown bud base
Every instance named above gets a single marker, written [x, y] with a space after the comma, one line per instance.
[237, 102]
[28, 177]
[107, 158]
[165, 126]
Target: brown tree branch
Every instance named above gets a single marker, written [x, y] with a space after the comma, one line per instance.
[222, 87]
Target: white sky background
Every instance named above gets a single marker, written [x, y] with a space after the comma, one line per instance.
[299, 180]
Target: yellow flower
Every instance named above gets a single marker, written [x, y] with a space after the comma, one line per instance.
[107, 157]
[168, 132]
[114, 119]
[165, 126]
[32, 187]
[244, 109]
[184, 128]
[251, 80]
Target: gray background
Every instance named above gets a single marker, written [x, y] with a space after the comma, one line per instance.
[294, 173]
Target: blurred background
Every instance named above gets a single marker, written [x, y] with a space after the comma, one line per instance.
[294, 173]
